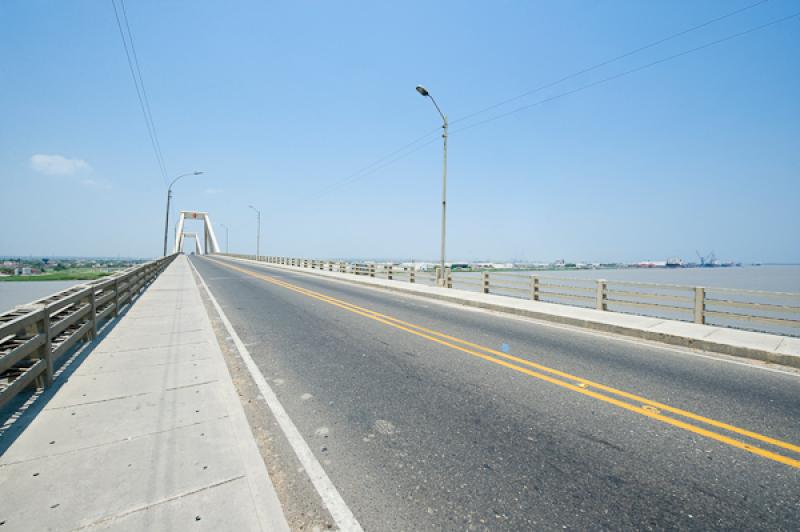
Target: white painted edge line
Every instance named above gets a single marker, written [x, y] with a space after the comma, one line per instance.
[333, 501]
[672, 349]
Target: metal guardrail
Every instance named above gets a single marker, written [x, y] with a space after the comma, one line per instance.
[34, 337]
[757, 310]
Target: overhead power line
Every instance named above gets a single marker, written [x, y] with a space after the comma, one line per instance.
[629, 72]
[380, 163]
[397, 155]
[607, 62]
[144, 89]
[138, 82]
[374, 169]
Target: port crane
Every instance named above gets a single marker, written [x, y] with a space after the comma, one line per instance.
[708, 260]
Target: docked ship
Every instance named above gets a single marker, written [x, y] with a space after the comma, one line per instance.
[674, 262]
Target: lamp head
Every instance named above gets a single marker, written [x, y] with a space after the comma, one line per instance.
[422, 90]
[197, 173]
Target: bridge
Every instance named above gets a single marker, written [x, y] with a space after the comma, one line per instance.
[234, 392]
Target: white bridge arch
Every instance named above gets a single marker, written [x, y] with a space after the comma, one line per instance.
[209, 245]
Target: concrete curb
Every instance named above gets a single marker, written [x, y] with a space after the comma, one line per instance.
[765, 347]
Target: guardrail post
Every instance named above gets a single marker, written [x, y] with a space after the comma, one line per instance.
[372, 270]
[485, 282]
[535, 287]
[699, 304]
[47, 348]
[116, 297]
[93, 303]
[45, 352]
[449, 278]
[389, 273]
[602, 294]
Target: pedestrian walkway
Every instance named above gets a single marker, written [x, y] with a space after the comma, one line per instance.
[147, 434]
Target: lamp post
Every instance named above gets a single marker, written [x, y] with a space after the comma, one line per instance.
[169, 197]
[226, 237]
[424, 92]
[258, 232]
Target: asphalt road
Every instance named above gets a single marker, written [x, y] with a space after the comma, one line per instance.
[419, 431]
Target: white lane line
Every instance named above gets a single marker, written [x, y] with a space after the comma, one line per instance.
[338, 509]
[672, 349]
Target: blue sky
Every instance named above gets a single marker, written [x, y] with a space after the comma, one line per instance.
[280, 102]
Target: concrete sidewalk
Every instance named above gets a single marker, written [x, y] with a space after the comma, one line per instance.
[758, 346]
[147, 434]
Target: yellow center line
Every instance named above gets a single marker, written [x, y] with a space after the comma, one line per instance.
[581, 381]
[581, 386]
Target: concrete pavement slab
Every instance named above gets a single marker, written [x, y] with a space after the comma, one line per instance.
[110, 361]
[76, 428]
[87, 389]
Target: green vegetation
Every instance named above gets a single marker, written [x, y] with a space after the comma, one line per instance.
[74, 274]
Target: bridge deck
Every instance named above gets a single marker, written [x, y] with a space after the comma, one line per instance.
[146, 434]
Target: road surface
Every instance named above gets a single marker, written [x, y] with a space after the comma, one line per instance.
[431, 416]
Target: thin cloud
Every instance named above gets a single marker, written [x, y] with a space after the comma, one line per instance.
[212, 191]
[58, 165]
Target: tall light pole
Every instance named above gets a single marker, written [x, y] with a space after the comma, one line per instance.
[258, 232]
[226, 237]
[169, 197]
[424, 92]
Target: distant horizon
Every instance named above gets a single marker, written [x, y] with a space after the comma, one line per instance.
[396, 259]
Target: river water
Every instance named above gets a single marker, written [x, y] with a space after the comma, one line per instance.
[769, 278]
[13, 293]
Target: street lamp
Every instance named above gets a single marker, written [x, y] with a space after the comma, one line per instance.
[226, 237]
[424, 92]
[169, 197]
[258, 233]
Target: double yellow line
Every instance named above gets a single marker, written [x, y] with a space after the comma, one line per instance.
[607, 394]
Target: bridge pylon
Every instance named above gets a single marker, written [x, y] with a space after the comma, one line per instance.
[209, 238]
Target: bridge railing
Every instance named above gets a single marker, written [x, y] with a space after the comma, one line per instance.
[756, 310]
[36, 336]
